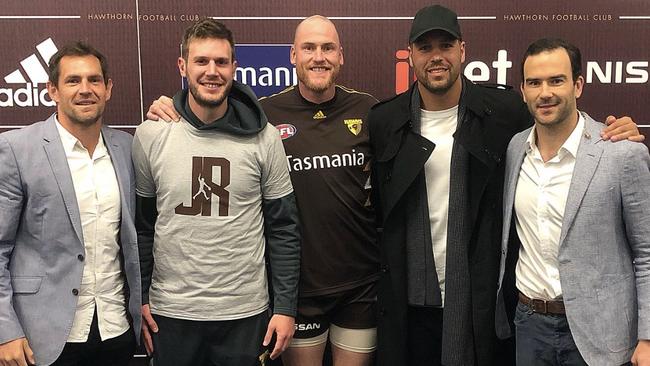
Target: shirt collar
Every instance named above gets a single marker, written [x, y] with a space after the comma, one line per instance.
[573, 142]
[570, 146]
[71, 143]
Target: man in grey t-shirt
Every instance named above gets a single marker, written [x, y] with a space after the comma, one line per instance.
[213, 196]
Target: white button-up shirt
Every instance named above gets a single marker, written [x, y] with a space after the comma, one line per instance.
[98, 197]
[540, 199]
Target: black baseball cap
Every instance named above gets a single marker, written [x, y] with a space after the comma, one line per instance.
[434, 17]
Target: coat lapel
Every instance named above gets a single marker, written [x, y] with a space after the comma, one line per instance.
[587, 160]
[408, 150]
[482, 135]
[59, 165]
[408, 163]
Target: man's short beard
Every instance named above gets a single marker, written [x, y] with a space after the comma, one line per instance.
[438, 89]
[76, 119]
[318, 88]
[209, 103]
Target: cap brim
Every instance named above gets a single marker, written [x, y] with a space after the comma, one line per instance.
[420, 34]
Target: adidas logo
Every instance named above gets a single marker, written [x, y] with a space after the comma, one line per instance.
[34, 68]
[319, 115]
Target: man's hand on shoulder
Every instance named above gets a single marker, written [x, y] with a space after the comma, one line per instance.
[641, 356]
[16, 352]
[621, 129]
[283, 326]
[163, 108]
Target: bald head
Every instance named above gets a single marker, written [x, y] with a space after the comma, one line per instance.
[318, 56]
[316, 24]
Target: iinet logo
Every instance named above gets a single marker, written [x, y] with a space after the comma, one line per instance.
[600, 72]
[30, 95]
[477, 71]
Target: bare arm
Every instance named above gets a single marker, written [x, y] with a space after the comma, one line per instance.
[163, 108]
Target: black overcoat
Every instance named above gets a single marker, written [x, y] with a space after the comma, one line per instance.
[492, 116]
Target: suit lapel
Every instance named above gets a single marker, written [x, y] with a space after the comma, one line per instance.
[116, 153]
[513, 167]
[117, 158]
[59, 165]
[587, 160]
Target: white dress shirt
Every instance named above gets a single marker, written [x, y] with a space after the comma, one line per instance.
[439, 127]
[98, 197]
[540, 199]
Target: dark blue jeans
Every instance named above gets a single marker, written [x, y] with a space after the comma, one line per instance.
[544, 339]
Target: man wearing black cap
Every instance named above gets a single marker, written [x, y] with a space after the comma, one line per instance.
[437, 189]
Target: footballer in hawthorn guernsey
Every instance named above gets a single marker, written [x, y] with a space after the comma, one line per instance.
[324, 135]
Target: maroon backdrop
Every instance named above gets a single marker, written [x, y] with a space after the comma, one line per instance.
[141, 40]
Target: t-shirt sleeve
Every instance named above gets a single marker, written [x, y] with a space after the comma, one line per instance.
[144, 183]
[275, 171]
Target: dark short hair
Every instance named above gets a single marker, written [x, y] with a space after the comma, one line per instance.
[207, 28]
[550, 44]
[78, 48]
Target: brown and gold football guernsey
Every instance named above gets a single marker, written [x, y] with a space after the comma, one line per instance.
[328, 156]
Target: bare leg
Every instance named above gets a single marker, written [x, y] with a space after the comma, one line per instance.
[342, 357]
[304, 356]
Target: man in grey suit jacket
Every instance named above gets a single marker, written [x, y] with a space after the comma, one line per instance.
[577, 214]
[69, 270]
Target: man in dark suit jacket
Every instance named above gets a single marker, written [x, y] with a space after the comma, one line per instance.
[437, 187]
[69, 267]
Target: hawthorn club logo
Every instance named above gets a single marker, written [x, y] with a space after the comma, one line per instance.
[204, 187]
[354, 125]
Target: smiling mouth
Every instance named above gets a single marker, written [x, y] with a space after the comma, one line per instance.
[546, 106]
[211, 85]
[437, 70]
[85, 102]
[319, 69]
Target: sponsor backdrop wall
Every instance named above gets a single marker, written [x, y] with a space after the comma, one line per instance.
[141, 39]
[142, 42]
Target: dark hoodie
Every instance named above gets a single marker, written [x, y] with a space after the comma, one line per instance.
[244, 116]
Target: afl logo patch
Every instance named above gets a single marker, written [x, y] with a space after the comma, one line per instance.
[286, 130]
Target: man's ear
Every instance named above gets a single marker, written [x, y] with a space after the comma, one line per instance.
[579, 85]
[53, 91]
[292, 55]
[109, 89]
[182, 67]
[461, 44]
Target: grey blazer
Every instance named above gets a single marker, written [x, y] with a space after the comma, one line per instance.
[604, 254]
[41, 239]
